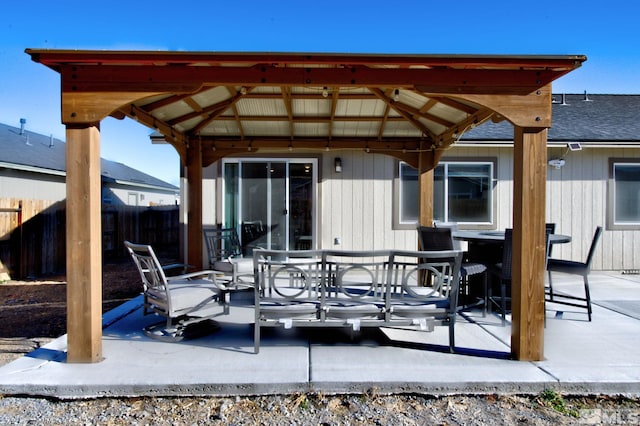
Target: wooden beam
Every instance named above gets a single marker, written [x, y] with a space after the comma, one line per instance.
[529, 249]
[180, 79]
[90, 107]
[84, 248]
[194, 203]
[523, 110]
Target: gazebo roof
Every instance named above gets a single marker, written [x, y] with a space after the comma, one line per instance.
[238, 102]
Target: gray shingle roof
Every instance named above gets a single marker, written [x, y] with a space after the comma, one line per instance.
[601, 118]
[44, 152]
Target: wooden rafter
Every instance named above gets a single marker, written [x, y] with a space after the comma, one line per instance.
[334, 105]
[172, 135]
[385, 119]
[288, 105]
[169, 100]
[407, 116]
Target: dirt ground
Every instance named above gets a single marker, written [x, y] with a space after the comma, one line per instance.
[37, 309]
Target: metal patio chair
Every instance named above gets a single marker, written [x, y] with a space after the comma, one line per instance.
[440, 238]
[503, 272]
[574, 268]
[184, 300]
[225, 256]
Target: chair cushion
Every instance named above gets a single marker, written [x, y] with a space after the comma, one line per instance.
[410, 310]
[567, 266]
[191, 298]
[270, 309]
[353, 310]
[469, 268]
[242, 265]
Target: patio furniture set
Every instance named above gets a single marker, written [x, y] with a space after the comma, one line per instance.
[345, 289]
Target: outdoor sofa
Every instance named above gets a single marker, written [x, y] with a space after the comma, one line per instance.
[354, 289]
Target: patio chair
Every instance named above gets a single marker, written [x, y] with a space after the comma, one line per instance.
[439, 238]
[574, 268]
[502, 271]
[253, 234]
[409, 299]
[225, 256]
[550, 228]
[184, 300]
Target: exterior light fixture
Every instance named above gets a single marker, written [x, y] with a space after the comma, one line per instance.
[337, 163]
[558, 163]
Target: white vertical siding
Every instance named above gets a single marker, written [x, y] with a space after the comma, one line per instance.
[357, 204]
[32, 186]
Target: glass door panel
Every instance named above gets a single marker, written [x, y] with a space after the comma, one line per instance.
[271, 203]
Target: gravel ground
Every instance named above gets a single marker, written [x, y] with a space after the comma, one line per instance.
[316, 409]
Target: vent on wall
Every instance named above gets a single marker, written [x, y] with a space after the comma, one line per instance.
[559, 99]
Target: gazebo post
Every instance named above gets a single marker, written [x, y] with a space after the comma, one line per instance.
[84, 248]
[529, 246]
[194, 203]
[425, 198]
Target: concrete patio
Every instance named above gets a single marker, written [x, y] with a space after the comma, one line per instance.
[581, 357]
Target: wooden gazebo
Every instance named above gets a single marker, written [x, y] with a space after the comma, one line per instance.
[210, 105]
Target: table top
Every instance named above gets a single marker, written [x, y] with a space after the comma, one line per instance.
[498, 236]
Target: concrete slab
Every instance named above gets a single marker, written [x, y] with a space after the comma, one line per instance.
[581, 357]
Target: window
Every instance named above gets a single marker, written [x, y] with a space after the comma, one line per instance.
[463, 193]
[624, 195]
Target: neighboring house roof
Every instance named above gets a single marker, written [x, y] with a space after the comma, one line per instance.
[22, 149]
[606, 119]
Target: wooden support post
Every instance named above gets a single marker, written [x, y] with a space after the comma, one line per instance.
[194, 202]
[529, 186]
[425, 198]
[84, 245]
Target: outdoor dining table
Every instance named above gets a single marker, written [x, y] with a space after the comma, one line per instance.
[497, 237]
[486, 247]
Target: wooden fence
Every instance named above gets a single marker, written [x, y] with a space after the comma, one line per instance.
[33, 232]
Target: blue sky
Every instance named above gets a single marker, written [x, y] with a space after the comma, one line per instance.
[606, 32]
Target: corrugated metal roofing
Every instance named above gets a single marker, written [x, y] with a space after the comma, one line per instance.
[34, 150]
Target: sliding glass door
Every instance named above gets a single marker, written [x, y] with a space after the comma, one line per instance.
[271, 202]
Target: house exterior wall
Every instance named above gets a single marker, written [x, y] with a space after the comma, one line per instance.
[116, 194]
[33, 186]
[356, 205]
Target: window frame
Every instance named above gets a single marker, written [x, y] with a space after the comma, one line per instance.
[398, 224]
[611, 195]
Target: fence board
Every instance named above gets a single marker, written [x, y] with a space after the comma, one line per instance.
[33, 233]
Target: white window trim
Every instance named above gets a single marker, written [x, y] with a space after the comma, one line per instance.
[611, 204]
[491, 161]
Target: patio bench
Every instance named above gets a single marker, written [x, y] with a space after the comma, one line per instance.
[355, 289]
